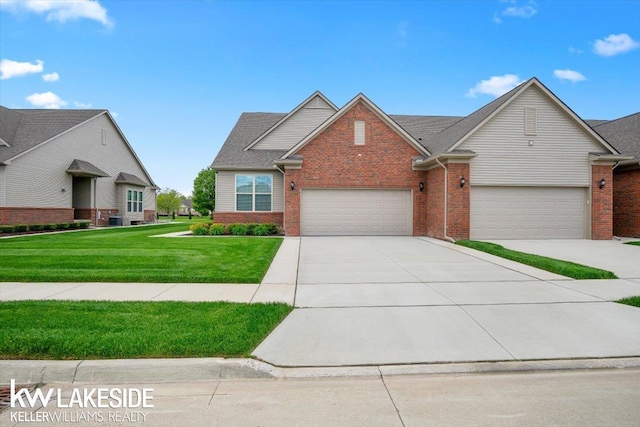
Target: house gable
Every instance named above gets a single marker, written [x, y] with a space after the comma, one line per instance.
[373, 109]
[296, 125]
[551, 149]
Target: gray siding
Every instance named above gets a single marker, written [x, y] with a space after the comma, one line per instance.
[296, 127]
[226, 189]
[2, 187]
[37, 178]
[559, 155]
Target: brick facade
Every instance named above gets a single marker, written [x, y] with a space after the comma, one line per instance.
[150, 215]
[332, 160]
[18, 215]
[601, 202]
[458, 202]
[626, 203]
[244, 217]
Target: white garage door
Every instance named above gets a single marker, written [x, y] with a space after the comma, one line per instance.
[356, 212]
[528, 213]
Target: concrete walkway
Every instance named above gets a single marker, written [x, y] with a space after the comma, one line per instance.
[404, 300]
[278, 285]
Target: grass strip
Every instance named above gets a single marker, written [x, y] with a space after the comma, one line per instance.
[114, 330]
[130, 254]
[637, 243]
[634, 301]
[564, 268]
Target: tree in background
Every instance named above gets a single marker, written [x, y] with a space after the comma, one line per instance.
[169, 201]
[204, 192]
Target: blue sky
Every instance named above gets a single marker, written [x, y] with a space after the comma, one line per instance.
[177, 74]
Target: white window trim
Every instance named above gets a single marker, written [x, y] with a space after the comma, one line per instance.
[359, 125]
[253, 191]
[135, 199]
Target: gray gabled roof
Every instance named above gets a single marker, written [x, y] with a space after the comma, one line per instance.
[624, 135]
[84, 168]
[26, 129]
[249, 127]
[128, 178]
[424, 128]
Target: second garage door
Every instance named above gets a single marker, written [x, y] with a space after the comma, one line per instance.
[528, 213]
[356, 213]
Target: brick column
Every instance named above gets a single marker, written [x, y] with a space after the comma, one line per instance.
[601, 202]
[458, 212]
[292, 202]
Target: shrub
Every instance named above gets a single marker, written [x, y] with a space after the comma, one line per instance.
[84, 224]
[261, 230]
[273, 229]
[217, 229]
[204, 225]
[250, 227]
[74, 225]
[62, 226]
[49, 226]
[200, 230]
[36, 227]
[20, 227]
[6, 228]
[238, 229]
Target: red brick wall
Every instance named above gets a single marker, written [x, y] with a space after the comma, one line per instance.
[104, 216]
[244, 217]
[434, 187]
[601, 203]
[150, 215]
[458, 213]
[626, 203]
[332, 160]
[16, 215]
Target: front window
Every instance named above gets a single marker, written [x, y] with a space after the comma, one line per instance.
[134, 201]
[253, 192]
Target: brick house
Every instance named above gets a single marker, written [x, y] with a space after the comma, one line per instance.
[624, 134]
[522, 166]
[64, 165]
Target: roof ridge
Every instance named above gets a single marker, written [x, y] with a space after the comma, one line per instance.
[615, 120]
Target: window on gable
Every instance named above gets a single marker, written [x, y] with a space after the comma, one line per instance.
[530, 121]
[254, 193]
[358, 126]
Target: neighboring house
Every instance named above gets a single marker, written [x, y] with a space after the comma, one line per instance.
[186, 208]
[65, 165]
[523, 166]
[624, 134]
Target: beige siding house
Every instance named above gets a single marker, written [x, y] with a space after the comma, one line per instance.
[523, 166]
[66, 165]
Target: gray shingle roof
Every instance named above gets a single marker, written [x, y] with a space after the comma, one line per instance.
[249, 127]
[128, 178]
[84, 168]
[424, 128]
[25, 129]
[624, 135]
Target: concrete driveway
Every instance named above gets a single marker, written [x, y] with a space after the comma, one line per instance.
[610, 255]
[394, 300]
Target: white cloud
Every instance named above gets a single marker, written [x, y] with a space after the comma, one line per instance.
[573, 50]
[61, 10]
[51, 77]
[495, 85]
[48, 100]
[81, 104]
[9, 68]
[615, 44]
[572, 76]
[516, 11]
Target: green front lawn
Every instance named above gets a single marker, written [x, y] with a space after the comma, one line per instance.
[634, 243]
[634, 301]
[118, 330]
[129, 254]
[564, 268]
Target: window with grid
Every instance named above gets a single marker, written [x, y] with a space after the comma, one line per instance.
[254, 193]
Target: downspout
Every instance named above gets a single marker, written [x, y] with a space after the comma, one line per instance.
[446, 196]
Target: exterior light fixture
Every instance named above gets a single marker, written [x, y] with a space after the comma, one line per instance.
[421, 186]
[292, 185]
[602, 183]
[462, 182]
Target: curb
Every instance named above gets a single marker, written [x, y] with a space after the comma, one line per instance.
[137, 371]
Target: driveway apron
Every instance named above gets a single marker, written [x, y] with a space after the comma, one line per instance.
[400, 300]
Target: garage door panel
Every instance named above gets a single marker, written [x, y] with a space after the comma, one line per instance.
[356, 212]
[528, 213]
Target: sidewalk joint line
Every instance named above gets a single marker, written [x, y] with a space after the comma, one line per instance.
[295, 288]
[390, 397]
[487, 332]
[75, 372]
[162, 292]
